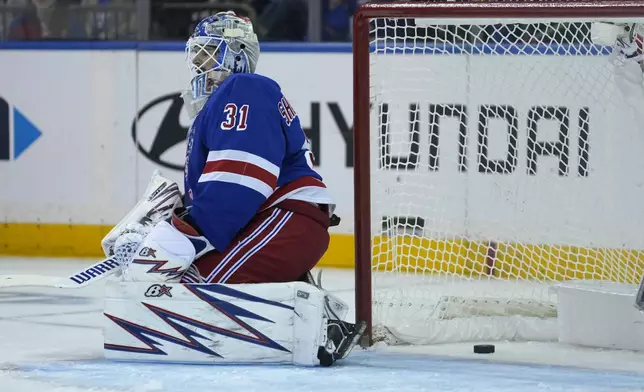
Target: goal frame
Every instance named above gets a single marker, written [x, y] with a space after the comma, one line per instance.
[518, 9]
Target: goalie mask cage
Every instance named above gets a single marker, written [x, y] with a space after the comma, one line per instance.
[496, 154]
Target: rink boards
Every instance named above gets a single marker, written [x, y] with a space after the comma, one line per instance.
[405, 254]
[111, 114]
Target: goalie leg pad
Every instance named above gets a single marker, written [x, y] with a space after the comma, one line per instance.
[214, 323]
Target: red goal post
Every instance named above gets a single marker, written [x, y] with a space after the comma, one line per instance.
[476, 11]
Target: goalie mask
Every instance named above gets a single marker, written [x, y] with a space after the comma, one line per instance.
[221, 45]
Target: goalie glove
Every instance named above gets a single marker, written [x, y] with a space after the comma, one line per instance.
[124, 247]
[160, 198]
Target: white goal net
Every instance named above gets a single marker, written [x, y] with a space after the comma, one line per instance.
[504, 159]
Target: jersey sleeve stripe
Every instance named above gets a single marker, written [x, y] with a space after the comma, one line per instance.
[243, 168]
[243, 156]
[234, 178]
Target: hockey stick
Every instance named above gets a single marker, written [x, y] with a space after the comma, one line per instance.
[157, 203]
[82, 278]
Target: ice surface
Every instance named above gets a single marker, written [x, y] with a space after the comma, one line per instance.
[50, 340]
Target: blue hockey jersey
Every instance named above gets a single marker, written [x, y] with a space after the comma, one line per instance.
[246, 152]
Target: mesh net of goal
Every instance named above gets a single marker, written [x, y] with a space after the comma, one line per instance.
[505, 158]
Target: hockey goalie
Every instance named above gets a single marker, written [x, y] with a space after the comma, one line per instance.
[226, 278]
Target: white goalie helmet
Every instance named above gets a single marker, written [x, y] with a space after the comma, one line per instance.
[222, 44]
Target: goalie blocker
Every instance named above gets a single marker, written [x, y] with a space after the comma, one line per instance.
[219, 323]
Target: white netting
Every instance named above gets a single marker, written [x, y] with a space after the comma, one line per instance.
[504, 158]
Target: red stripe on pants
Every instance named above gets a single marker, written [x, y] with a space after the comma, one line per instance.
[291, 251]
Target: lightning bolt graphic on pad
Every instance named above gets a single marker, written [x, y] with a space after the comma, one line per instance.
[152, 339]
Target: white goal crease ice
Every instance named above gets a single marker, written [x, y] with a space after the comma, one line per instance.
[496, 156]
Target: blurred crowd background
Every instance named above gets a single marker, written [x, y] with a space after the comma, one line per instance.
[169, 20]
[274, 20]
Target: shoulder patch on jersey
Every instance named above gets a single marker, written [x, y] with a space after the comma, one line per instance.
[286, 110]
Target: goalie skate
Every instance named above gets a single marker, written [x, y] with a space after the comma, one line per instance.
[342, 337]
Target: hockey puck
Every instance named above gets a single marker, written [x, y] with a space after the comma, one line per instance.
[483, 348]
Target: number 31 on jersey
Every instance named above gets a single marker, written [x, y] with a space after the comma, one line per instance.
[236, 117]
